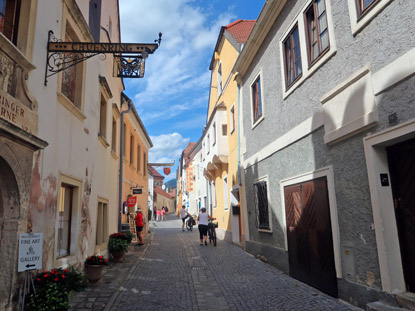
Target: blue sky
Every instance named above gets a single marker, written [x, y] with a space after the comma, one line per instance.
[172, 97]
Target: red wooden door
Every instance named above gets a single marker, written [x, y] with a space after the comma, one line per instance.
[401, 158]
[310, 242]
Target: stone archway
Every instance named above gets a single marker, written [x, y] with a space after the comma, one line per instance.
[9, 224]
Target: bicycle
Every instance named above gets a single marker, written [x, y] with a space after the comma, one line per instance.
[190, 223]
[212, 232]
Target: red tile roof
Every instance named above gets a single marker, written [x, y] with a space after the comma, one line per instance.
[153, 172]
[161, 192]
[240, 29]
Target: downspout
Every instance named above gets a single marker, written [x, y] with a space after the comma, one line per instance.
[238, 134]
[121, 162]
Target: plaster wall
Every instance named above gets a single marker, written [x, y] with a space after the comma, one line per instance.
[74, 148]
[359, 254]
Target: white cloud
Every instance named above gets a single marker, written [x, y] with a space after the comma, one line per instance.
[167, 147]
[182, 61]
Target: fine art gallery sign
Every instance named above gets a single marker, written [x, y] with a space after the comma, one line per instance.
[16, 113]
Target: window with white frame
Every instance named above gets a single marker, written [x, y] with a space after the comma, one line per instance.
[225, 194]
[292, 57]
[208, 144]
[316, 30]
[232, 118]
[361, 12]
[214, 133]
[256, 100]
[261, 205]
[219, 76]
[309, 37]
[102, 223]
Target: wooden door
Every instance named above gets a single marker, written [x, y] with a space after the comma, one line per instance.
[401, 158]
[310, 242]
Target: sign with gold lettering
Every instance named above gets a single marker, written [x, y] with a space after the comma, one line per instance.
[105, 47]
[16, 113]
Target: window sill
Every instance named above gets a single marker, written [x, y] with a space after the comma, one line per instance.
[358, 23]
[254, 125]
[114, 155]
[265, 230]
[64, 101]
[63, 262]
[103, 141]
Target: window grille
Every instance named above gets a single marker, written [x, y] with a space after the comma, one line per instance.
[261, 205]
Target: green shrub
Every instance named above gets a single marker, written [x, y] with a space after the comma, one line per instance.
[117, 245]
[53, 288]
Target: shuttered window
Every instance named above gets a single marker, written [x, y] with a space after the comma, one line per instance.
[95, 18]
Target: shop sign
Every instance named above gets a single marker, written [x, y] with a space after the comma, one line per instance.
[16, 113]
[30, 251]
[131, 201]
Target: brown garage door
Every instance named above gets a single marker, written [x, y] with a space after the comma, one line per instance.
[310, 243]
[401, 158]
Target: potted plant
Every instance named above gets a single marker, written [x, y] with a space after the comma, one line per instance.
[118, 245]
[94, 265]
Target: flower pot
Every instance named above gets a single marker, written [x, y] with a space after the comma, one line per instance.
[94, 272]
[117, 256]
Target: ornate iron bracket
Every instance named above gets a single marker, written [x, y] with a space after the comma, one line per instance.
[130, 57]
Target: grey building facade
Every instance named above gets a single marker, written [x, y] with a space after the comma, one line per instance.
[327, 144]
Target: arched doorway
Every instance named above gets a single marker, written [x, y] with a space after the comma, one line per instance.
[9, 222]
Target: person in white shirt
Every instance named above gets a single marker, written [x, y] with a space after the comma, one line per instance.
[203, 225]
[183, 215]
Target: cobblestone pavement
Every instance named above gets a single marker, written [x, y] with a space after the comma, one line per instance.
[173, 272]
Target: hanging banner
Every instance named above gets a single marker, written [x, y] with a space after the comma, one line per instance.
[167, 170]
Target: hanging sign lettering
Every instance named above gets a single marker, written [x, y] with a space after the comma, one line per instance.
[91, 47]
[30, 251]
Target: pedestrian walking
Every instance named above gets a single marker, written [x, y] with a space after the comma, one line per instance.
[158, 215]
[163, 214]
[183, 215]
[203, 225]
[139, 226]
[155, 213]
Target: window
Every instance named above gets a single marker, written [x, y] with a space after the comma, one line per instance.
[138, 157]
[214, 194]
[9, 18]
[72, 77]
[131, 148]
[144, 164]
[364, 5]
[232, 118]
[225, 194]
[208, 144]
[220, 79]
[114, 135]
[292, 57]
[95, 19]
[224, 129]
[65, 220]
[103, 117]
[261, 205]
[102, 224]
[316, 29]
[214, 133]
[256, 100]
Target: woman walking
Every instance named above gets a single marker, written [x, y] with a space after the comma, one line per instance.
[203, 225]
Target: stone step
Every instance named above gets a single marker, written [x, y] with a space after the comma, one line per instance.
[381, 306]
[406, 300]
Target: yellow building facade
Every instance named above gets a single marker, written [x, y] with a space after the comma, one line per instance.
[220, 141]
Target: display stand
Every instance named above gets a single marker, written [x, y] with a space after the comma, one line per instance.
[28, 285]
[133, 229]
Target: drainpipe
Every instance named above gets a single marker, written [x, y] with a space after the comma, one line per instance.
[121, 161]
[238, 136]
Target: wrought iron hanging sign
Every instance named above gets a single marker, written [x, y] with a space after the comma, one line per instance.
[129, 58]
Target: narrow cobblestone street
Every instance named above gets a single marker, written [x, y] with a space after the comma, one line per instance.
[173, 272]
